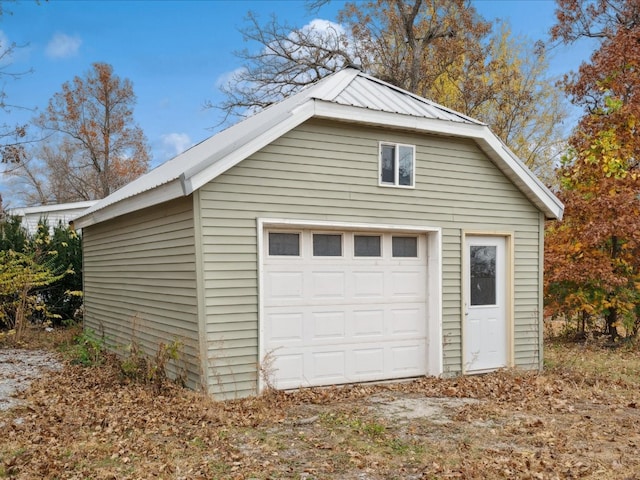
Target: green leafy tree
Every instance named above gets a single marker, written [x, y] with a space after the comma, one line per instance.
[42, 276]
[13, 236]
[64, 296]
[21, 277]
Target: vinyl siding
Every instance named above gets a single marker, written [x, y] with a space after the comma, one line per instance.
[329, 172]
[140, 282]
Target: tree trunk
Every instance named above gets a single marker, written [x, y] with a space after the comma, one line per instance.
[583, 324]
[612, 320]
[612, 316]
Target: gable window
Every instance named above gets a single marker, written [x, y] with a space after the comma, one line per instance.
[397, 164]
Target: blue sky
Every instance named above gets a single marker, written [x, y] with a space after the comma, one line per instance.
[177, 52]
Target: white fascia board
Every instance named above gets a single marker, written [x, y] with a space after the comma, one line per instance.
[515, 170]
[280, 125]
[334, 111]
[56, 207]
[524, 178]
[146, 199]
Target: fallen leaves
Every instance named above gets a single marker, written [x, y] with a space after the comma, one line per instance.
[566, 423]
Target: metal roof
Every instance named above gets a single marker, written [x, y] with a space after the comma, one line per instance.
[347, 95]
[369, 92]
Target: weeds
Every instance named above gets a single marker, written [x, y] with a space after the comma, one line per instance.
[87, 350]
[142, 368]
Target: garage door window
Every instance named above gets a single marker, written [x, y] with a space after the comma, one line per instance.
[366, 246]
[287, 244]
[327, 245]
[404, 247]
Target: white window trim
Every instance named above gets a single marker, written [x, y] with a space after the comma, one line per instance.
[396, 173]
[435, 339]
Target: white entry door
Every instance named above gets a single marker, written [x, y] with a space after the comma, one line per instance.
[485, 330]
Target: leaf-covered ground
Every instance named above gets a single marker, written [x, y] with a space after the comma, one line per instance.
[579, 419]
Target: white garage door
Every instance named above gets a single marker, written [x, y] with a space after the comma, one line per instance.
[343, 307]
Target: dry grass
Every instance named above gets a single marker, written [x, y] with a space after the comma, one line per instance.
[579, 419]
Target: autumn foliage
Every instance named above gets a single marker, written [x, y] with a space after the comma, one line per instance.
[593, 255]
[592, 266]
[93, 145]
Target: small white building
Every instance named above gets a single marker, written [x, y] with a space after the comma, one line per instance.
[63, 212]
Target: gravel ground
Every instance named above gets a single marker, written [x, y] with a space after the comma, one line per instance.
[18, 368]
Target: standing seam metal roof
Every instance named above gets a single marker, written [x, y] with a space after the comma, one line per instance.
[366, 92]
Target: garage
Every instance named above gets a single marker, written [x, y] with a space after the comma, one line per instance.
[342, 306]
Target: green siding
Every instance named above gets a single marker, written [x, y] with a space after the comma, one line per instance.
[323, 171]
[139, 281]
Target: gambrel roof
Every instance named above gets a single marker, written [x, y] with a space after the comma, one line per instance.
[348, 95]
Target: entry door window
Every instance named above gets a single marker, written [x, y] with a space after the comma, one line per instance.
[482, 272]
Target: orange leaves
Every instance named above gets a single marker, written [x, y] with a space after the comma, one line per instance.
[592, 257]
[99, 148]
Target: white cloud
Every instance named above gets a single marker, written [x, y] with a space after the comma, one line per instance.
[324, 26]
[175, 143]
[63, 46]
[228, 77]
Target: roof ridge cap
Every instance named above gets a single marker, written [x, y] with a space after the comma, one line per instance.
[331, 86]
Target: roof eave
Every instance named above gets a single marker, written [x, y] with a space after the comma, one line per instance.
[254, 141]
[149, 198]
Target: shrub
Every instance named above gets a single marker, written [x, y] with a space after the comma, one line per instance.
[41, 274]
[21, 275]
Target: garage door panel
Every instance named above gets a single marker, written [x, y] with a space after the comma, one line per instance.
[368, 323]
[405, 359]
[328, 366]
[284, 286]
[327, 286]
[368, 362]
[407, 320]
[368, 284]
[288, 369]
[408, 283]
[328, 325]
[285, 328]
[353, 363]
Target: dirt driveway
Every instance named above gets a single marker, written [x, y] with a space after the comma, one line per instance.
[18, 368]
